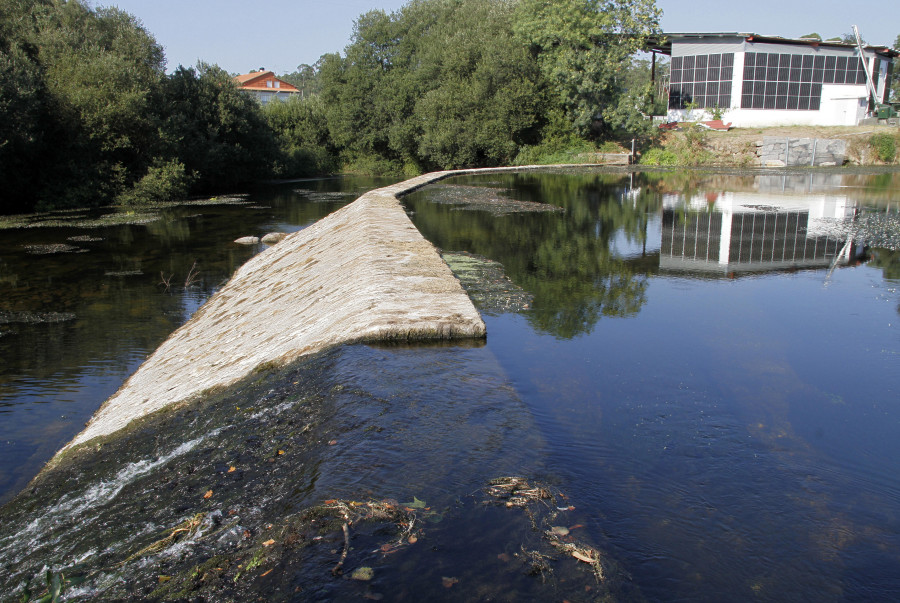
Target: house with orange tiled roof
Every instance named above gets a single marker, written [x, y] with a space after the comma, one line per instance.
[265, 86]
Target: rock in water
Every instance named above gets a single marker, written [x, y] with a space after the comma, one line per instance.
[273, 237]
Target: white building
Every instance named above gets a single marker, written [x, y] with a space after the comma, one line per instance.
[265, 86]
[770, 81]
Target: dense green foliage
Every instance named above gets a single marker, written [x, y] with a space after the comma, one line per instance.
[78, 91]
[455, 83]
[88, 115]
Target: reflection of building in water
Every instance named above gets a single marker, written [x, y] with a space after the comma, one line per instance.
[743, 232]
[812, 182]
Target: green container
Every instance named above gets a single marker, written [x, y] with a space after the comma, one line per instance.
[885, 112]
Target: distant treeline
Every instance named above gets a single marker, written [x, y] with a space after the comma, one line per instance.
[89, 117]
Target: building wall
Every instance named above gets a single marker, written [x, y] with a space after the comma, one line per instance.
[267, 96]
[839, 104]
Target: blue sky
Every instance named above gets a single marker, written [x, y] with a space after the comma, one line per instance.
[281, 34]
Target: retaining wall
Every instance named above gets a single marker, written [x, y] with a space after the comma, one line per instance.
[781, 152]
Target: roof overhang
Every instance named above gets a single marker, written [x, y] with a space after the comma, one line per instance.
[663, 43]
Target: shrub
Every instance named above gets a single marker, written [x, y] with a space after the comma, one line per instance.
[555, 151]
[164, 181]
[717, 112]
[659, 156]
[885, 146]
[685, 148]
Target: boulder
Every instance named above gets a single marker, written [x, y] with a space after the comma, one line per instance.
[273, 237]
[247, 241]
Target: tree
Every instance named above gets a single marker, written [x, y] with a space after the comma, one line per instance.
[301, 126]
[439, 84]
[77, 86]
[23, 109]
[217, 132]
[811, 36]
[305, 79]
[580, 46]
[488, 96]
[101, 70]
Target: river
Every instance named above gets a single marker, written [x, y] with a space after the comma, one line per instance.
[698, 370]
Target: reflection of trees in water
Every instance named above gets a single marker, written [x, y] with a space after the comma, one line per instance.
[889, 262]
[565, 261]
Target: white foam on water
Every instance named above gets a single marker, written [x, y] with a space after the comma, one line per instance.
[73, 506]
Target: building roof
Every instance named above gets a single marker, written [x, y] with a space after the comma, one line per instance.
[257, 81]
[663, 43]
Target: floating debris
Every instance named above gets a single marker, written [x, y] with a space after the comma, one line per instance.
[240, 199]
[487, 284]
[184, 530]
[53, 248]
[540, 501]
[123, 273]
[84, 239]
[324, 197]
[880, 230]
[485, 198]
[33, 318]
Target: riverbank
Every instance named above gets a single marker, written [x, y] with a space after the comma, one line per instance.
[692, 146]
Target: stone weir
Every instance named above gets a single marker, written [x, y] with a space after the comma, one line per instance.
[363, 273]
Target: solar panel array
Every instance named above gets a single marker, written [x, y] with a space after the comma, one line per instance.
[771, 80]
[703, 80]
[794, 81]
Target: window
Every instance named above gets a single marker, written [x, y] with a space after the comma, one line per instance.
[794, 81]
[702, 80]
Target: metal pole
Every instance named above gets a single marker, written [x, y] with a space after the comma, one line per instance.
[870, 85]
[813, 160]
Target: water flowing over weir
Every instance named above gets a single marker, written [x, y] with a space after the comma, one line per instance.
[209, 474]
[364, 273]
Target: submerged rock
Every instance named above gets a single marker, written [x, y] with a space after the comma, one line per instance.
[486, 198]
[487, 284]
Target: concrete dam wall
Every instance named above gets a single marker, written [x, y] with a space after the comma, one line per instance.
[363, 273]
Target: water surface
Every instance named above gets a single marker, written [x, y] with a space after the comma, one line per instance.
[703, 364]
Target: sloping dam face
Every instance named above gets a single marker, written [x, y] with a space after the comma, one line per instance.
[363, 273]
